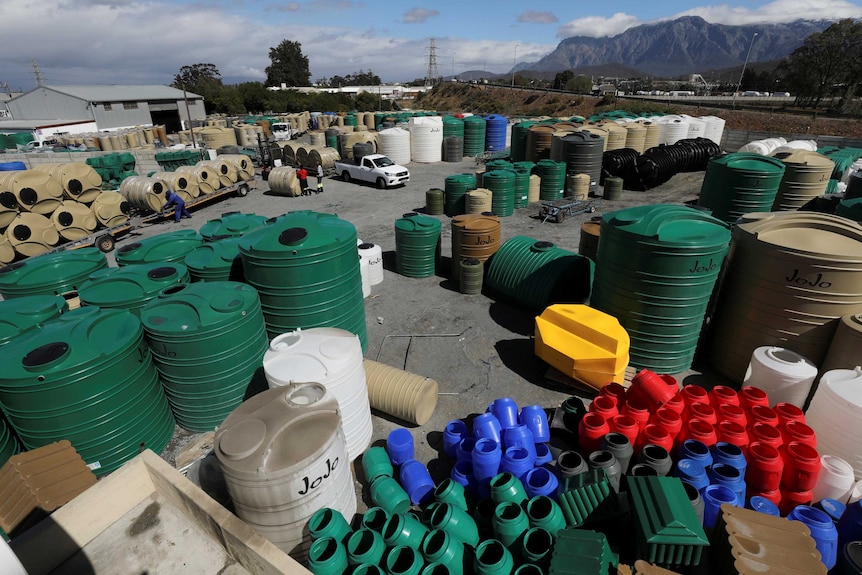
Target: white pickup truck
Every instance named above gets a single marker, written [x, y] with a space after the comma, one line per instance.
[373, 168]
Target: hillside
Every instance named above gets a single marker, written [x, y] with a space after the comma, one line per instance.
[486, 99]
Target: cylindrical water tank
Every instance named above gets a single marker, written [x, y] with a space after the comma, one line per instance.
[784, 375]
[539, 139]
[502, 186]
[283, 457]
[805, 177]
[495, 132]
[474, 135]
[789, 279]
[399, 393]
[394, 143]
[74, 220]
[455, 188]
[207, 340]
[374, 254]
[844, 349]
[31, 234]
[166, 247]
[518, 150]
[88, 377]
[50, 274]
[131, 287]
[553, 179]
[111, 209]
[582, 153]
[417, 245]
[739, 183]
[672, 129]
[478, 201]
[230, 224]
[670, 256]
[475, 236]
[331, 357]
[306, 270]
[534, 274]
[426, 139]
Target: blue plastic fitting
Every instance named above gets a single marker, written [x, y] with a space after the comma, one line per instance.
[487, 457]
[697, 450]
[517, 461]
[724, 452]
[399, 445]
[416, 481]
[506, 411]
[453, 433]
[540, 481]
[536, 420]
[487, 426]
[692, 471]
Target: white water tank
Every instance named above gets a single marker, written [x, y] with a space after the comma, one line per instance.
[332, 357]
[374, 254]
[394, 143]
[714, 128]
[672, 129]
[696, 127]
[426, 139]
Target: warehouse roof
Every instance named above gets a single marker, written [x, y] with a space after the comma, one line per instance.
[118, 92]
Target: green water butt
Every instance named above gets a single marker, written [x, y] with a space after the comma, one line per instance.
[207, 341]
[535, 274]
[305, 266]
[167, 247]
[455, 190]
[50, 274]
[20, 314]
[417, 245]
[502, 186]
[233, 224]
[131, 287]
[656, 269]
[739, 183]
[88, 377]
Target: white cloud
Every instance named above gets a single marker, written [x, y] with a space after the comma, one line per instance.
[774, 12]
[597, 27]
[288, 7]
[419, 15]
[534, 17]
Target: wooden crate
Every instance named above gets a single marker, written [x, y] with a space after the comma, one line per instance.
[119, 504]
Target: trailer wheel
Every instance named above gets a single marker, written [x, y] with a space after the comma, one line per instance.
[381, 184]
[105, 243]
[345, 176]
[559, 217]
[242, 191]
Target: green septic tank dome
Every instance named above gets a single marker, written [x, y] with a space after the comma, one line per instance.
[656, 268]
[167, 247]
[305, 266]
[50, 274]
[207, 340]
[131, 287]
[88, 377]
[231, 224]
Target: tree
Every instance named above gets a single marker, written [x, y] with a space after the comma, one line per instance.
[562, 78]
[197, 75]
[827, 61]
[254, 96]
[289, 65]
[367, 102]
[579, 85]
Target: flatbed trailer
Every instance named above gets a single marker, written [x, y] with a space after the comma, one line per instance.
[106, 238]
[558, 210]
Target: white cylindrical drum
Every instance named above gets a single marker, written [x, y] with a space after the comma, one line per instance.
[835, 415]
[283, 457]
[332, 357]
[395, 144]
[374, 254]
[783, 374]
[426, 138]
[835, 481]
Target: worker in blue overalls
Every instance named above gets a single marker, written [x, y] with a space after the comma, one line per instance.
[180, 210]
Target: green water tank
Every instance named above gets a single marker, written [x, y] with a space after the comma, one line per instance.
[131, 287]
[23, 313]
[553, 179]
[207, 341]
[518, 148]
[50, 274]
[656, 267]
[417, 245]
[88, 377]
[305, 266]
[502, 186]
[522, 186]
[740, 183]
[9, 445]
[455, 189]
[453, 126]
[850, 209]
[167, 247]
[474, 135]
[534, 274]
[216, 260]
[231, 224]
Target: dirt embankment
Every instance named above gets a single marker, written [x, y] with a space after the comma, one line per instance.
[499, 100]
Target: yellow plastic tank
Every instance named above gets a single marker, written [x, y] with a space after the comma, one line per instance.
[583, 343]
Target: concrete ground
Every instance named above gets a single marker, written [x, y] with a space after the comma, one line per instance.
[476, 348]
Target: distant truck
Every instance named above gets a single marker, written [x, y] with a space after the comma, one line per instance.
[281, 131]
[375, 169]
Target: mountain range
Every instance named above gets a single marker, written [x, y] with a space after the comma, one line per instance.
[677, 47]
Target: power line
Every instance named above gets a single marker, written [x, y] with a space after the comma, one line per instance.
[40, 81]
[432, 76]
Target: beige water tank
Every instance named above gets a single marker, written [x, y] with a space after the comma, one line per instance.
[789, 278]
[845, 349]
[806, 176]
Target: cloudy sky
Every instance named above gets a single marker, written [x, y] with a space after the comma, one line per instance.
[147, 41]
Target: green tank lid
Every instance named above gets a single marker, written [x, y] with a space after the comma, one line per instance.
[167, 247]
[216, 260]
[131, 287]
[669, 225]
[231, 224]
[20, 314]
[298, 233]
[50, 274]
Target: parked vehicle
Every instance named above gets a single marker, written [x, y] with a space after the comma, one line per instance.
[282, 131]
[373, 168]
